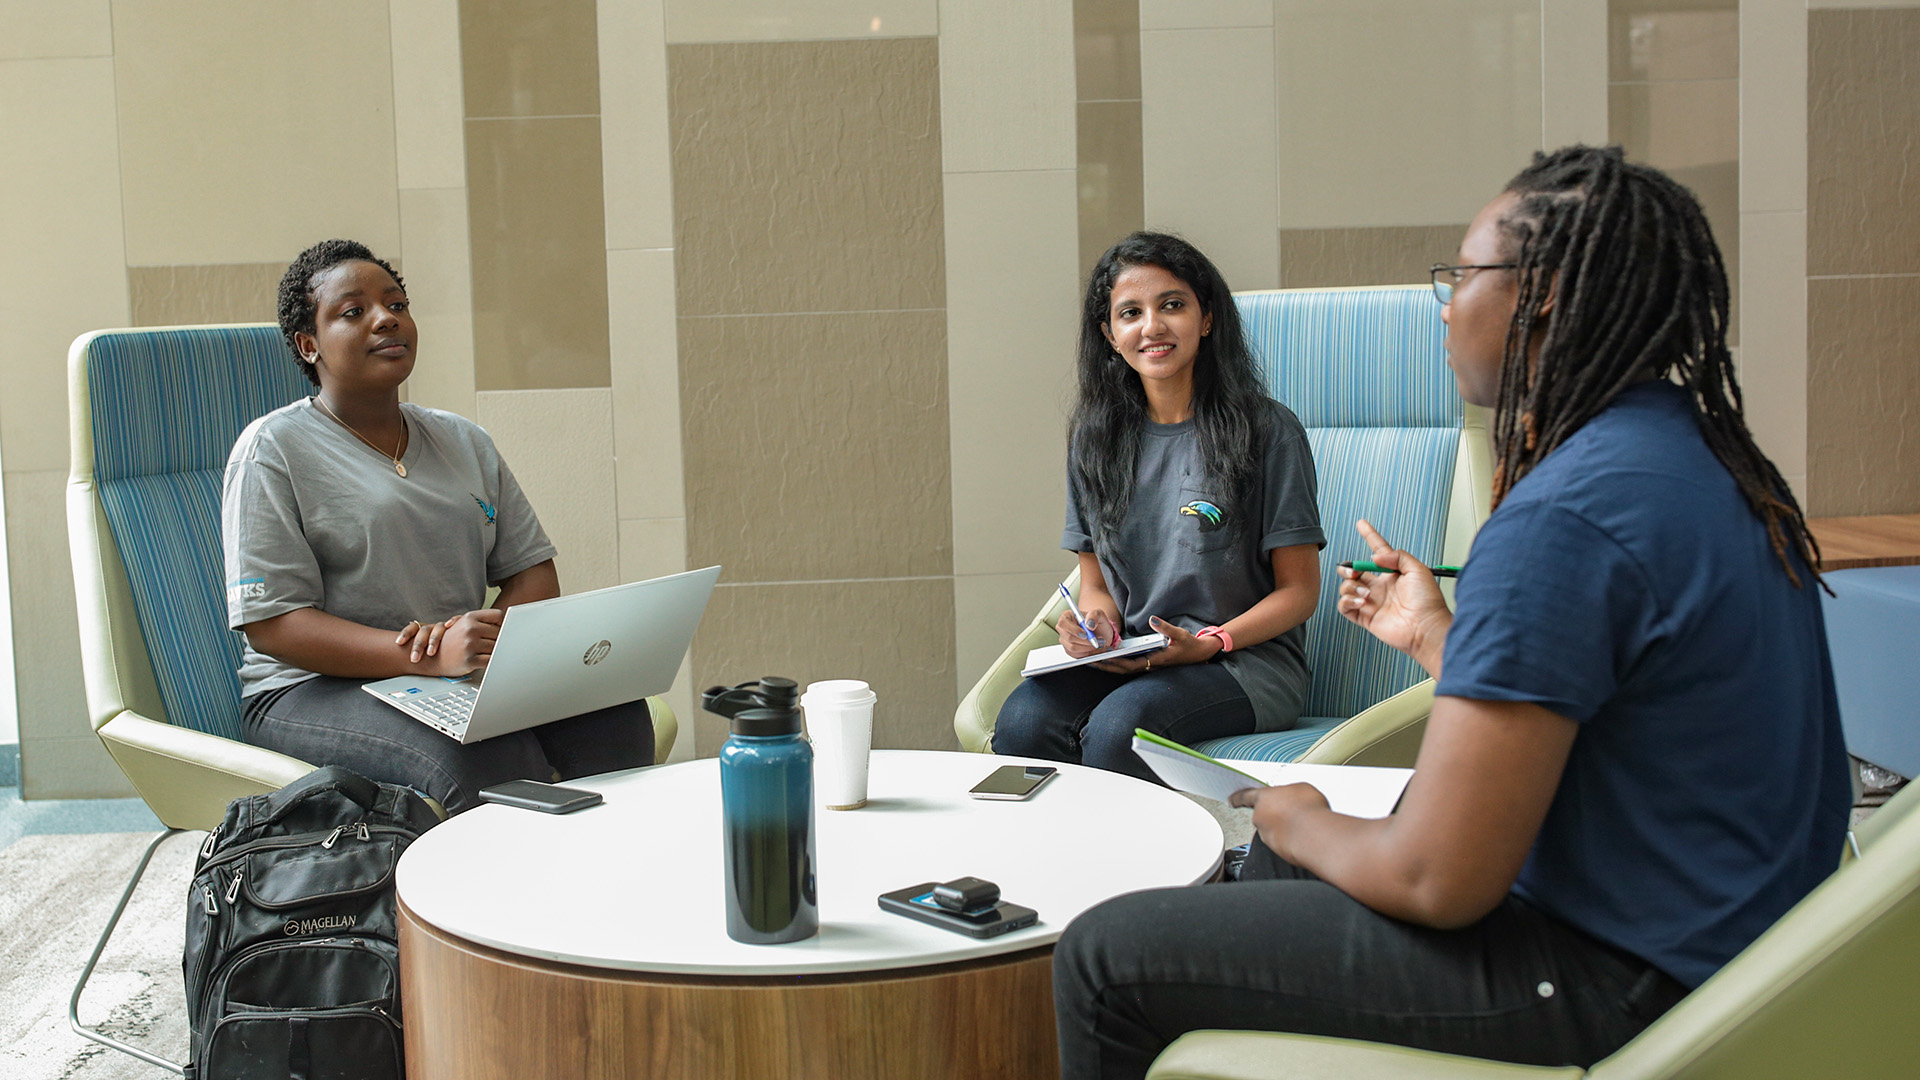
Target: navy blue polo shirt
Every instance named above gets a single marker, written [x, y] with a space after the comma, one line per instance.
[1626, 585]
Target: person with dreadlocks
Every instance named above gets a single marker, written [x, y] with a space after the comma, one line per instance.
[1190, 501]
[360, 535]
[1634, 763]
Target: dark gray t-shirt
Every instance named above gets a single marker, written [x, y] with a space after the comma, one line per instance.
[313, 517]
[1181, 558]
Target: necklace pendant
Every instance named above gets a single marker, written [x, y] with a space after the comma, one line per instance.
[401, 469]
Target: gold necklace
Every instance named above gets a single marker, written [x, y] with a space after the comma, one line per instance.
[397, 467]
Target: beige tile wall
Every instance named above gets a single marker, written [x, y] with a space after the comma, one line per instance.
[1112, 202]
[1015, 230]
[535, 209]
[64, 273]
[1674, 103]
[185, 295]
[1209, 141]
[810, 288]
[1773, 231]
[691, 21]
[228, 154]
[1863, 261]
[1381, 255]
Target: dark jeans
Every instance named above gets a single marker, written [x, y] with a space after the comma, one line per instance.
[1281, 950]
[1087, 716]
[328, 721]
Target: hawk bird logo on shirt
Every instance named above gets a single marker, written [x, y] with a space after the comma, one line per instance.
[485, 507]
[1210, 516]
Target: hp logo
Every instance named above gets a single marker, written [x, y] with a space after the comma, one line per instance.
[597, 653]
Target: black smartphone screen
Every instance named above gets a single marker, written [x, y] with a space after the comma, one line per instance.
[916, 902]
[1012, 782]
[533, 795]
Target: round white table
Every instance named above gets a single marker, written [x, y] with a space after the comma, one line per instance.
[594, 943]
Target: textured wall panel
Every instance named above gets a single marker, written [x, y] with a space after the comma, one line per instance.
[1863, 142]
[1112, 200]
[1384, 255]
[806, 176]
[427, 100]
[1106, 50]
[530, 57]
[190, 295]
[1863, 396]
[816, 445]
[1007, 97]
[896, 635]
[538, 231]
[799, 20]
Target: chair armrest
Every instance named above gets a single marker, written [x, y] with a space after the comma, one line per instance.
[188, 777]
[1386, 734]
[666, 728]
[973, 721]
[1265, 1055]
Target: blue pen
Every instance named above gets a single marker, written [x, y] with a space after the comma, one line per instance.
[1079, 618]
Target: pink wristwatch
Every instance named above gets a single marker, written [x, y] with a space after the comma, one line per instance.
[1226, 639]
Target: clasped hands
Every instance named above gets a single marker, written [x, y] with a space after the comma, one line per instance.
[1182, 647]
[457, 646]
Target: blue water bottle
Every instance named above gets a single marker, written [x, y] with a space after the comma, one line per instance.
[766, 800]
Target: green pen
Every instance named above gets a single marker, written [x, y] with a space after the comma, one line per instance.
[1366, 567]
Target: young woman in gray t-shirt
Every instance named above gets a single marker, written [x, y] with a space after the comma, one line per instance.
[361, 534]
[1191, 503]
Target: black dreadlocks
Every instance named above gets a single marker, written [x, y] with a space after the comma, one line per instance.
[1639, 292]
[298, 305]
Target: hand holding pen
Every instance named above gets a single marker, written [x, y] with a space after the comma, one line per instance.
[1084, 635]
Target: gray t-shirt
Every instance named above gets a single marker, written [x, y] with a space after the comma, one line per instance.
[1181, 558]
[313, 517]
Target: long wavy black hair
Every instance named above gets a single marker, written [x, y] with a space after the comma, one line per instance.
[1639, 292]
[1110, 414]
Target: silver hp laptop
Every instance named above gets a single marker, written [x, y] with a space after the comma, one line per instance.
[563, 657]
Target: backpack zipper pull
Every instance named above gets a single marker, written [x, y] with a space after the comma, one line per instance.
[212, 908]
[365, 833]
[206, 850]
[233, 890]
[328, 843]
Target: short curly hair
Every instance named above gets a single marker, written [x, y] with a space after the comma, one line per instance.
[298, 305]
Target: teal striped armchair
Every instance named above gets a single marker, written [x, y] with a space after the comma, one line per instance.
[1365, 371]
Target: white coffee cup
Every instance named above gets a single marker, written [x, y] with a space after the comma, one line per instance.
[840, 722]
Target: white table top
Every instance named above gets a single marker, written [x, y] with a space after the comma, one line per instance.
[635, 883]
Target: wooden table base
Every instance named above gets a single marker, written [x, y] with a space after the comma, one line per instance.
[473, 1012]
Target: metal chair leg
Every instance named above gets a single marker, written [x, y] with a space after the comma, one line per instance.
[73, 1004]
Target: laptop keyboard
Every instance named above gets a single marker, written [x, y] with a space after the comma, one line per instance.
[453, 708]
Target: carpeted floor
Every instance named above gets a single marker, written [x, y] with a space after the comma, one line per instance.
[56, 891]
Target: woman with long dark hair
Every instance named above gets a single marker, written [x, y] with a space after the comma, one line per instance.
[1190, 500]
[1634, 763]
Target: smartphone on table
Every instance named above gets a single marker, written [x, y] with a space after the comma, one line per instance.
[1013, 782]
[534, 795]
[919, 902]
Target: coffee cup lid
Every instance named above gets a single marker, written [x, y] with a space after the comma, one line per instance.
[837, 691]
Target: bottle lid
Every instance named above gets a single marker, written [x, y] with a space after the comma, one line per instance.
[767, 722]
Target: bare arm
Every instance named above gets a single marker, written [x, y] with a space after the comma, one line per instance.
[317, 641]
[1296, 592]
[330, 645]
[1485, 777]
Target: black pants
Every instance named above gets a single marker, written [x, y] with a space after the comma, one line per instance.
[1087, 716]
[1288, 952]
[328, 721]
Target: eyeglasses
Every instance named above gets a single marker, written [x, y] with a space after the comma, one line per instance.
[1447, 278]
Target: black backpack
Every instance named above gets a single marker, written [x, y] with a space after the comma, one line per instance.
[292, 957]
